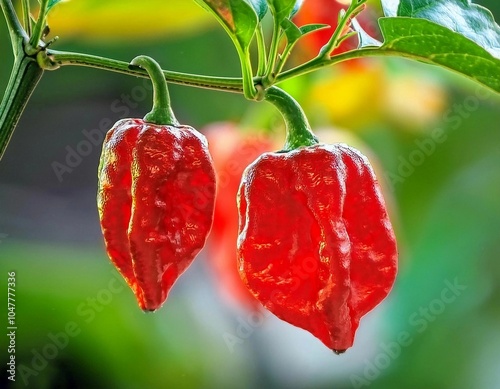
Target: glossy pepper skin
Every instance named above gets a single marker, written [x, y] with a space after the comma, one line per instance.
[315, 245]
[156, 200]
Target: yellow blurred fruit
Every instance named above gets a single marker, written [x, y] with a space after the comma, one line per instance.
[414, 101]
[351, 96]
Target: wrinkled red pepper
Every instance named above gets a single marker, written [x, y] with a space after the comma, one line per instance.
[316, 246]
[156, 200]
[156, 196]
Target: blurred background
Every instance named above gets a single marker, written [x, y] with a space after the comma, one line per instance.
[431, 135]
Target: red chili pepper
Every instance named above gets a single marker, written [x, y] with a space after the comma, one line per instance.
[156, 199]
[315, 246]
[232, 151]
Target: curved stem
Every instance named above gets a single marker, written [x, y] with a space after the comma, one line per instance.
[16, 31]
[227, 84]
[298, 130]
[261, 49]
[24, 77]
[62, 58]
[39, 26]
[318, 62]
[354, 8]
[246, 71]
[161, 113]
[26, 16]
[273, 54]
[284, 57]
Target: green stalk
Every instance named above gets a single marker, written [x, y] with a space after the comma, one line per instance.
[17, 34]
[336, 38]
[246, 71]
[284, 57]
[298, 130]
[38, 29]
[26, 16]
[161, 113]
[261, 49]
[319, 62]
[24, 77]
[270, 76]
[62, 58]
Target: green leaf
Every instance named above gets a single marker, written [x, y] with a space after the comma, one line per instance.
[309, 28]
[432, 43]
[260, 7]
[294, 33]
[52, 3]
[236, 16]
[462, 16]
[283, 9]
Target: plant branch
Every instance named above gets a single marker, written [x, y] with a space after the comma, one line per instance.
[26, 16]
[261, 49]
[354, 9]
[319, 62]
[273, 54]
[15, 29]
[62, 58]
[284, 58]
[24, 77]
[246, 71]
[39, 26]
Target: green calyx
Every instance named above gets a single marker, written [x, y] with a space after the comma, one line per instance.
[298, 130]
[161, 113]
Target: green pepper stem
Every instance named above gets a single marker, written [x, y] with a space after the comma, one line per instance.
[24, 77]
[298, 130]
[270, 76]
[249, 89]
[38, 28]
[15, 29]
[354, 8]
[161, 113]
[26, 16]
[63, 58]
[261, 50]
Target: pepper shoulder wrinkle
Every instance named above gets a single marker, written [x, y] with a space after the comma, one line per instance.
[316, 246]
